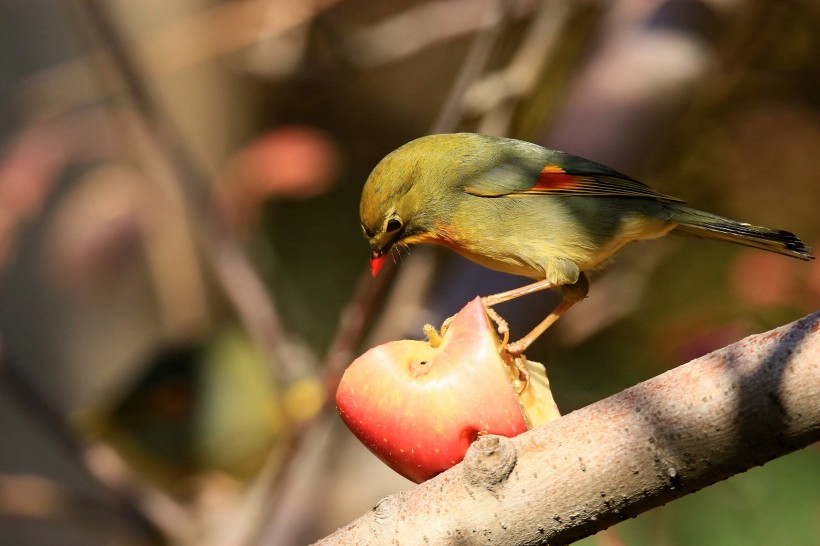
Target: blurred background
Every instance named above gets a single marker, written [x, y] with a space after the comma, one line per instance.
[183, 277]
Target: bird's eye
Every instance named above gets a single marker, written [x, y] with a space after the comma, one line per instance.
[393, 225]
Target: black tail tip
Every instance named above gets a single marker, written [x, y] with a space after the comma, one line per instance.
[792, 243]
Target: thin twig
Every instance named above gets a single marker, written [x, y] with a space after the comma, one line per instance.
[427, 24]
[496, 93]
[452, 111]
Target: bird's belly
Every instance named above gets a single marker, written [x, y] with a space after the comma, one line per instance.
[530, 255]
[500, 261]
[632, 229]
[538, 240]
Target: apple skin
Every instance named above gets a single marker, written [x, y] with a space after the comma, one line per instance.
[418, 407]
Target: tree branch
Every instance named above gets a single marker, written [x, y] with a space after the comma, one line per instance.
[690, 427]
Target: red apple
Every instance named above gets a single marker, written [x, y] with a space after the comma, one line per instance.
[419, 405]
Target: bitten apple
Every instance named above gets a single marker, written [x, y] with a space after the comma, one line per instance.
[419, 405]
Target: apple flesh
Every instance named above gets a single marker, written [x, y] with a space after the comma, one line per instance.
[419, 405]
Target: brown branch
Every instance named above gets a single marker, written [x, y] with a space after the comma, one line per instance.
[690, 427]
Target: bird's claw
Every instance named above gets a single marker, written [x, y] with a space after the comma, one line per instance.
[516, 348]
[502, 327]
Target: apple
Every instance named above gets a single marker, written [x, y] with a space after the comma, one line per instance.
[418, 405]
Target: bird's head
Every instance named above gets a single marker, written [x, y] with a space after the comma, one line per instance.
[412, 193]
[388, 210]
[402, 200]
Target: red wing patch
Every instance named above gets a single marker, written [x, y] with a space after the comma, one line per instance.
[554, 178]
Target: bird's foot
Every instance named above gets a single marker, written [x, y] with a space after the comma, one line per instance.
[489, 301]
[502, 327]
[517, 348]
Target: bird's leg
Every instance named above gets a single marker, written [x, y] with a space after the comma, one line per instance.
[518, 347]
[573, 293]
[501, 297]
[503, 327]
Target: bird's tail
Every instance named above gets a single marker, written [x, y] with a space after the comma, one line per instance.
[703, 224]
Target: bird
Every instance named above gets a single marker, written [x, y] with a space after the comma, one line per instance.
[517, 207]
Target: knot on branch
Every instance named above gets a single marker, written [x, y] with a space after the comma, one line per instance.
[489, 462]
[384, 511]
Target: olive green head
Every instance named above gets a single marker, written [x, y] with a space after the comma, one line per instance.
[386, 210]
[412, 191]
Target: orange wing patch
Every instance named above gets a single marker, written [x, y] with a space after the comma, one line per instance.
[554, 178]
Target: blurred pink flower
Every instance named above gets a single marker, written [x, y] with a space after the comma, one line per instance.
[296, 162]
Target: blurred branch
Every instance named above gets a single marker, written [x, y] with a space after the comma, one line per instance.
[353, 324]
[165, 150]
[474, 64]
[688, 428]
[207, 35]
[241, 284]
[428, 24]
[19, 389]
[274, 494]
[546, 88]
[495, 95]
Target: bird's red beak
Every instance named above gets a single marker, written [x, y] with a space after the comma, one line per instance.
[376, 263]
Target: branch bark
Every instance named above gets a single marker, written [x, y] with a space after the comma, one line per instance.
[690, 427]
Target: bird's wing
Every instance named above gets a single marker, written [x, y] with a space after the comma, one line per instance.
[561, 174]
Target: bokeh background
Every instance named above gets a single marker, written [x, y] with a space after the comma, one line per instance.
[183, 277]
